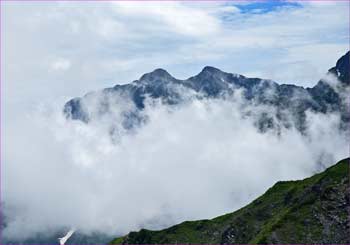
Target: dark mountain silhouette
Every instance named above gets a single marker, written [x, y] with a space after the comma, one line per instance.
[289, 101]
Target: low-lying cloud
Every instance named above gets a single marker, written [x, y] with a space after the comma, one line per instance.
[192, 161]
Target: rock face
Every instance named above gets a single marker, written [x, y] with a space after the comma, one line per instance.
[288, 101]
[311, 211]
[341, 70]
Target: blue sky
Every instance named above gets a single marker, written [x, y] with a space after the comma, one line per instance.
[262, 7]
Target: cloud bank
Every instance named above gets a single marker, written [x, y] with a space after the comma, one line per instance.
[193, 161]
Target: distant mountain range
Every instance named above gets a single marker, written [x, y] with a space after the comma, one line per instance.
[311, 211]
[290, 102]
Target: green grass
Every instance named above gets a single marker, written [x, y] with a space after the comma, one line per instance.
[288, 212]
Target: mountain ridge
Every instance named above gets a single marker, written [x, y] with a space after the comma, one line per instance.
[211, 82]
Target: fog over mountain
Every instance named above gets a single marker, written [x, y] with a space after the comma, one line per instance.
[160, 150]
[289, 102]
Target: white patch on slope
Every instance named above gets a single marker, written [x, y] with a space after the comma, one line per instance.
[64, 239]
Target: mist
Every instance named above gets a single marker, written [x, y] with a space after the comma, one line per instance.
[196, 160]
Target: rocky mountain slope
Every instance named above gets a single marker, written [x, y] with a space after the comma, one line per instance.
[290, 102]
[311, 211]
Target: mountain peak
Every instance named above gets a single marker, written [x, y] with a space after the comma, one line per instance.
[214, 83]
[210, 69]
[342, 69]
[157, 74]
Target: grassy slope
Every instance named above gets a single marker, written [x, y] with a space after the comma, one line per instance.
[313, 210]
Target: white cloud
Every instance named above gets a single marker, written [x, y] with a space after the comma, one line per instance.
[169, 17]
[191, 162]
[61, 64]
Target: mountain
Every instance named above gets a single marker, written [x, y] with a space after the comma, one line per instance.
[289, 101]
[311, 211]
[341, 70]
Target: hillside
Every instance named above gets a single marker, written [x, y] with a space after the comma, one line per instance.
[313, 210]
